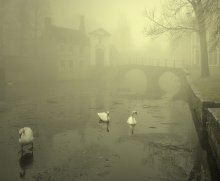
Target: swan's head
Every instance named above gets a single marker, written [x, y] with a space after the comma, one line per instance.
[21, 131]
[134, 113]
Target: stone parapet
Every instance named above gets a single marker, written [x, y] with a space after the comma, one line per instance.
[213, 132]
[206, 114]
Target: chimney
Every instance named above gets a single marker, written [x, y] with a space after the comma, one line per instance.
[82, 25]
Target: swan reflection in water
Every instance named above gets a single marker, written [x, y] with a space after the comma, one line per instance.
[25, 162]
[105, 123]
[132, 128]
[104, 118]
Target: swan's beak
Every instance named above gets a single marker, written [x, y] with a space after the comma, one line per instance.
[20, 135]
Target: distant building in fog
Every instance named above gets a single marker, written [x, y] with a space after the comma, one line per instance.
[58, 53]
[65, 51]
[99, 47]
[68, 53]
[213, 52]
[187, 50]
[19, 30]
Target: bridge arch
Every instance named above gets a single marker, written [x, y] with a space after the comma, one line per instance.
[153, 75]
[169, 82]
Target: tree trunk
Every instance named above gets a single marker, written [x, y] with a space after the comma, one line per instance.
[203, 52]
[198, 8]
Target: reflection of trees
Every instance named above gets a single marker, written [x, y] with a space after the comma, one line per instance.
[175, 160]
[171, 160]
[81, 164]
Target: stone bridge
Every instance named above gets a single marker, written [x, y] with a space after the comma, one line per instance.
[153, 73]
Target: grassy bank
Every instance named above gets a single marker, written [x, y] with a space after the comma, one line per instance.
[209, 87]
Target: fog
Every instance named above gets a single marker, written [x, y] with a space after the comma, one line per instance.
[114, 16]
[109, 90]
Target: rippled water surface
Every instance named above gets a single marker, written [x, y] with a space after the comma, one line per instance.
[71, 144]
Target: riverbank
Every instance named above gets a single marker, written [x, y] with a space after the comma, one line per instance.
[204, 100]
[208, 87]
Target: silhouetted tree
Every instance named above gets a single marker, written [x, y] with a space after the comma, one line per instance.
[20, 24]
[214, 13]
[180, 16]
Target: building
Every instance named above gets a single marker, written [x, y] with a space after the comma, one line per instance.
[213, 52]
[186, 50]
[64, 52]
[100, 47]
[19, 30]
[59, 53]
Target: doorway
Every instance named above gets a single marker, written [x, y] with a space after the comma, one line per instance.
[99, 57]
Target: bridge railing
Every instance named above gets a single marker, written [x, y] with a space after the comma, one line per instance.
[154, 62]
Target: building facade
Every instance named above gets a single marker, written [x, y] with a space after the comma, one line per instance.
[64, 51]
[99, 48]
[58, 53]
[213, 52]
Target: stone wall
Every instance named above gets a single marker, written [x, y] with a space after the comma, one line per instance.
[213, 130]
[206, 114]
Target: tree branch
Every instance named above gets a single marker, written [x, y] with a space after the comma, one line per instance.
[159, 28]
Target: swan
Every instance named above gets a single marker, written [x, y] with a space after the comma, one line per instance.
[104, 116]
[132, 121]
[26, 137]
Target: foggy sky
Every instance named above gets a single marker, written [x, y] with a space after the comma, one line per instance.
[104, 13]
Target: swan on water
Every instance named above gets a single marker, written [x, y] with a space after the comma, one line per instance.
[132, 120]
[104, 116]
[26, 137]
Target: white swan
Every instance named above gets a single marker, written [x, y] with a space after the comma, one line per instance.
[132, 121]
[26, 137]
[104, 116]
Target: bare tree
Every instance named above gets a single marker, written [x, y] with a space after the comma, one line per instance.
[214, 13]
[181, 16]
[31, 18]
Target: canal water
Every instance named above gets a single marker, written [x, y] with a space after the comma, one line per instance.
[71, 144]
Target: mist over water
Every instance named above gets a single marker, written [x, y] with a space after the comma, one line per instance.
[136, 80]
